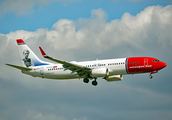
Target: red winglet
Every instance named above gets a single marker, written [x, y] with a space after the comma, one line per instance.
[20, 41]
[43, 53]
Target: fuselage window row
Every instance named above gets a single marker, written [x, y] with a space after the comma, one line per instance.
[93, 65]
[116, 63]
[56, 69]
[105, 64]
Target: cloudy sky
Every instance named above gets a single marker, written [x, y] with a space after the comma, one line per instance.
[86, 30]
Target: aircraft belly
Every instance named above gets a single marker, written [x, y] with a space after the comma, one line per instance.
[119, 70]
[32, 73]
[61, 75]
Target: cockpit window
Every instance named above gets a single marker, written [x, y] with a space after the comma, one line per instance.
[155, 60]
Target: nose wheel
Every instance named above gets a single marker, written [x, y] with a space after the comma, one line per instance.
[150, 76]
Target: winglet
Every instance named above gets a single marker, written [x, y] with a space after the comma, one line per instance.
[20, 42]
[43, 53]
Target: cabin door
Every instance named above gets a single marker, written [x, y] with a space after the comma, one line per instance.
[146, 63]
[42, 71]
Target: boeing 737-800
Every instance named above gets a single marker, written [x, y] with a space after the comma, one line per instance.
[109, 69]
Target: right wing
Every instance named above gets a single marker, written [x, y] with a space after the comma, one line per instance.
[80, 70]
[19, 67]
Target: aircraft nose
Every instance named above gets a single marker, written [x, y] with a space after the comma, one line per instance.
[164, 64]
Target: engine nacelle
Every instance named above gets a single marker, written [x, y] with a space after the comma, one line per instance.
[114, 78]
[100, 72]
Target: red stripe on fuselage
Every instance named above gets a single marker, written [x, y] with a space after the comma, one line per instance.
[143, 65]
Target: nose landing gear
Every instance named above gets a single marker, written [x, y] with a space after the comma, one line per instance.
[150, 76]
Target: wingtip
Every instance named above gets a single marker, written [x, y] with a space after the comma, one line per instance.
[42, 52]
[20, 42]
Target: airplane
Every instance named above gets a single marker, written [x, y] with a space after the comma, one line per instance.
[108, 69]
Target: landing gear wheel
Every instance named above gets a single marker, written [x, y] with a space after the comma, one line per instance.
[94, 83]
[86, 80]
[150, 76]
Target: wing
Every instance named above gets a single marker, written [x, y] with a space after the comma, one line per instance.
[19, 67]
[80, 70]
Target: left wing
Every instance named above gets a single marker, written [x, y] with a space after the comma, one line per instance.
[80, 70]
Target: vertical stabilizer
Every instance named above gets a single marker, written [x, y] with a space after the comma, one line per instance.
[28, 56]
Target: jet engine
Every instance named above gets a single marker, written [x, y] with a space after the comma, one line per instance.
[100, 72]
[114, 78]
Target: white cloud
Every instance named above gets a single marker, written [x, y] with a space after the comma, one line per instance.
[99, 35]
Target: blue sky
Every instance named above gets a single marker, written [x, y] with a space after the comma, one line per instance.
[81, 30]
[44, 16]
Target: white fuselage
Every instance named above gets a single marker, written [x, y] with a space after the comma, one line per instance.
[56, 71]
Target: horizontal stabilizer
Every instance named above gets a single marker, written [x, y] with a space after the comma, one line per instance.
[19, 67]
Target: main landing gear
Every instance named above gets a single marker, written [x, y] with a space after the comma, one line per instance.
[86, 80]
[94, 82]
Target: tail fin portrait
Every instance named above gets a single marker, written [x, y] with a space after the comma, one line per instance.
[29, 59]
